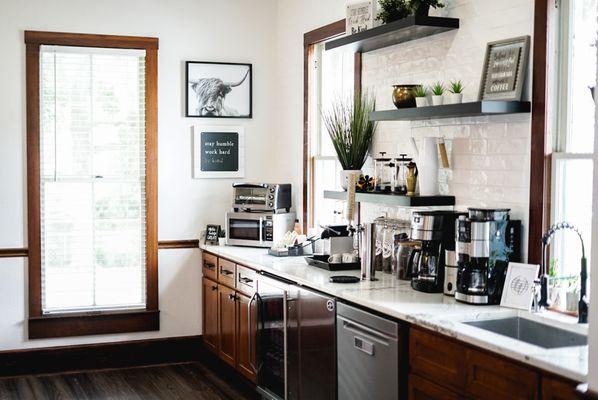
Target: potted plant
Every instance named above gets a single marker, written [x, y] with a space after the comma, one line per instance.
[437, 92]
[351, 131]
[456, 93]
[422, 7]
[393, 10]
[421, 96]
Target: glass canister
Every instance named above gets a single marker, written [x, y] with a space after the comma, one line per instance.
[400, 182]
[388, 239]
[400, 233]
[383, 173]
[380, 227]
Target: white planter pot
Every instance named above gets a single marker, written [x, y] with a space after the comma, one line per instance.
[421, 102]
[437, 100]
[345, 176]
[454, 98]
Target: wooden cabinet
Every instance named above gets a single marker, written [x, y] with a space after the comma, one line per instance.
[558, 389]
[229, 313]
[490, 377]
[227, 325]
[423, 389]
[210, 314]
[246, 336]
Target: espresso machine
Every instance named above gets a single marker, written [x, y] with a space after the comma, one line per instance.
[487, 240]
[436, 232]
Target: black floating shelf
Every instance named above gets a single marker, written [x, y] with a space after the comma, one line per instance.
[393, 199]
[474, 109]
[403, 30]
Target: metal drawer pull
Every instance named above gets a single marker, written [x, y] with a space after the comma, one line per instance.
[232, 296]
[214, 287]
[245, 280]
[226, 272]
[209, 266]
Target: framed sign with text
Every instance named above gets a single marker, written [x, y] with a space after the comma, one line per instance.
[504, 70]
[218, 152]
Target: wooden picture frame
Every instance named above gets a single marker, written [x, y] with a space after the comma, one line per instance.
[504, 72]
[218, 90]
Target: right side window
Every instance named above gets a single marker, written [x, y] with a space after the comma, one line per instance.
[574, 80]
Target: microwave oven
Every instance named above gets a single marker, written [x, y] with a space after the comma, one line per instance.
[257, 229]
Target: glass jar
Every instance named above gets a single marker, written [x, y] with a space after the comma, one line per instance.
[383, 173]
[400, 182]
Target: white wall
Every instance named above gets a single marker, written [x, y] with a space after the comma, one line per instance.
[593, 318]
[232, 30]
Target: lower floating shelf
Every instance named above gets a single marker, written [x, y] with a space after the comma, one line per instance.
[390, 199]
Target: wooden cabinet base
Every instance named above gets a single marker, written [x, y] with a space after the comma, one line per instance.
[423, 389]
[227, 325]
[210, 314]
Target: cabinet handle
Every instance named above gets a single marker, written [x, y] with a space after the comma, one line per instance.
[226, 272]
[209, 266]
[232, 296]
[249, 344]
[214, 288]
[245, 280]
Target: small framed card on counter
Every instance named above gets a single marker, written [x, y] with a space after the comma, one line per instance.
[212, 234]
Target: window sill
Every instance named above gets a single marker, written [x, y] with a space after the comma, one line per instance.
[100, 323]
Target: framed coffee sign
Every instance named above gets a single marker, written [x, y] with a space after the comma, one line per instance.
[504, 71]
[218, 152]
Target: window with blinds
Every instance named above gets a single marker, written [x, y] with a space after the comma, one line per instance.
[92, 170]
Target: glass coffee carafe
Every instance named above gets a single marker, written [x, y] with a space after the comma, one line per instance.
[384, 173]
[401, 169]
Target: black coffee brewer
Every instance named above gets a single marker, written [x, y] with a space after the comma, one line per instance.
[436, 232]
[487, 240]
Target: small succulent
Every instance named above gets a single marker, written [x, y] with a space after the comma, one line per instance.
[420, 91]
[456, 87]
[438, 88]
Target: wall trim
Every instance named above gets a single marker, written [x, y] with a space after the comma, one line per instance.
[178, 244]
[125, 354]
[15, 252]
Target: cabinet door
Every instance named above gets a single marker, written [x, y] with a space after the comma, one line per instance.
[210, 314]
[226, 272]
[490, 377]
[557, 389]
[246, 334]
[227, 325]
[423, 389]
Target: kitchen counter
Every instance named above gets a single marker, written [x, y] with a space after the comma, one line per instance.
[436, 312]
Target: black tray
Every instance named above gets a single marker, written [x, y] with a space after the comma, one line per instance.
[321, 261]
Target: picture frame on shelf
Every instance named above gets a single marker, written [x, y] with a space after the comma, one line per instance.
[505, 68]
[361, 16]
[218, 90]
[218, 152]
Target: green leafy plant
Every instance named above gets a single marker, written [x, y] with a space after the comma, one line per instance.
[350, 129]
[420, 91]
[393, 10]
[456, 87]
[438, 88]
[421, 7]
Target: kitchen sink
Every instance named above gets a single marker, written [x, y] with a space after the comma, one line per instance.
[532, 332]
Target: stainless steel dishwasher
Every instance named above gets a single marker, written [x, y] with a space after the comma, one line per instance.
[368, 355]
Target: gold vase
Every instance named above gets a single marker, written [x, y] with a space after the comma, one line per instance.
[403, 96]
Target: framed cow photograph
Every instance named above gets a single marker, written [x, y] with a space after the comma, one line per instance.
[218, 90]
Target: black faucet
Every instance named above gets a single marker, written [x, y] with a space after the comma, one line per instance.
[583, 300]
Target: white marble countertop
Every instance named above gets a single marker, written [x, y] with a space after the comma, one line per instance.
[434, 311]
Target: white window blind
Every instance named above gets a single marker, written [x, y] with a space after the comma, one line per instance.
[92, 110]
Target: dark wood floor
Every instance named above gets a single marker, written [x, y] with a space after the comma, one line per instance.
[173, 381]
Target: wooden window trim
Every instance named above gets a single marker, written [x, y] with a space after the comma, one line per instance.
[310, 39]
[77, 324]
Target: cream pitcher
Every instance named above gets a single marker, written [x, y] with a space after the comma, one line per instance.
[427, 165]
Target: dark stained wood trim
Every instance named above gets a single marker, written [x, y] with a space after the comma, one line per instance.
[7, 253]
[100, 323]
[90, 40]
[100, 356]
[357, 65]
[179, 244]
[539, 164]
[44, 326]
[309, 40]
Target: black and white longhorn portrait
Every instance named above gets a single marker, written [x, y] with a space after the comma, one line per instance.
[218, 90]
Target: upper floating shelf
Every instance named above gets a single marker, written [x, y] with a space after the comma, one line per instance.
[393, 199]
[474, 109]
[403, 30]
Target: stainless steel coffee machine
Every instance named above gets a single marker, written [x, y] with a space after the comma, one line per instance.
[436, 232]
[487, 240]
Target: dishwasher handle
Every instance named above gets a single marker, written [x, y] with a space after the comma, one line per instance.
[358, 328]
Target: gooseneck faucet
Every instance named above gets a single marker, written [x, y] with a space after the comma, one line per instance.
[583, 301]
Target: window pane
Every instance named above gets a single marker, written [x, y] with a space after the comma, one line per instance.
[93, 178]
[582, 72]
[326, 177]
[574, 181]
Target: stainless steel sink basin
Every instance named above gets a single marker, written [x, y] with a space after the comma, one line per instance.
[531, 332]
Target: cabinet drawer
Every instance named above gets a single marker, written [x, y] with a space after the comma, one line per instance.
[209, 266]
[557, 389]
[226, 272]
[490, 377]
[423, 389]
[437, 358]
[246, 280]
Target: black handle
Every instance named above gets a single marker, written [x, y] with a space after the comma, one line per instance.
[209, 266]
[245, 280]
[226, 272]
[214, 288]
[232, 296]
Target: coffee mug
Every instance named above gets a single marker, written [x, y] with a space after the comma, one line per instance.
[349, 258]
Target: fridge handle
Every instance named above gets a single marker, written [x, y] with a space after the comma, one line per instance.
[249, 347]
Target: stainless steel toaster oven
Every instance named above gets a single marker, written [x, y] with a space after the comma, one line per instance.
[262, 197]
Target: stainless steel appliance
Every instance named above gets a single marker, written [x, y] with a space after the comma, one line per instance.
[262, 197]
[436, 231]
[368, 356]
[450, 272]
[257, 229]
[296, 341]
[487, 240]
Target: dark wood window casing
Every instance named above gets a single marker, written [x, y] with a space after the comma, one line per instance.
[97, 322]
